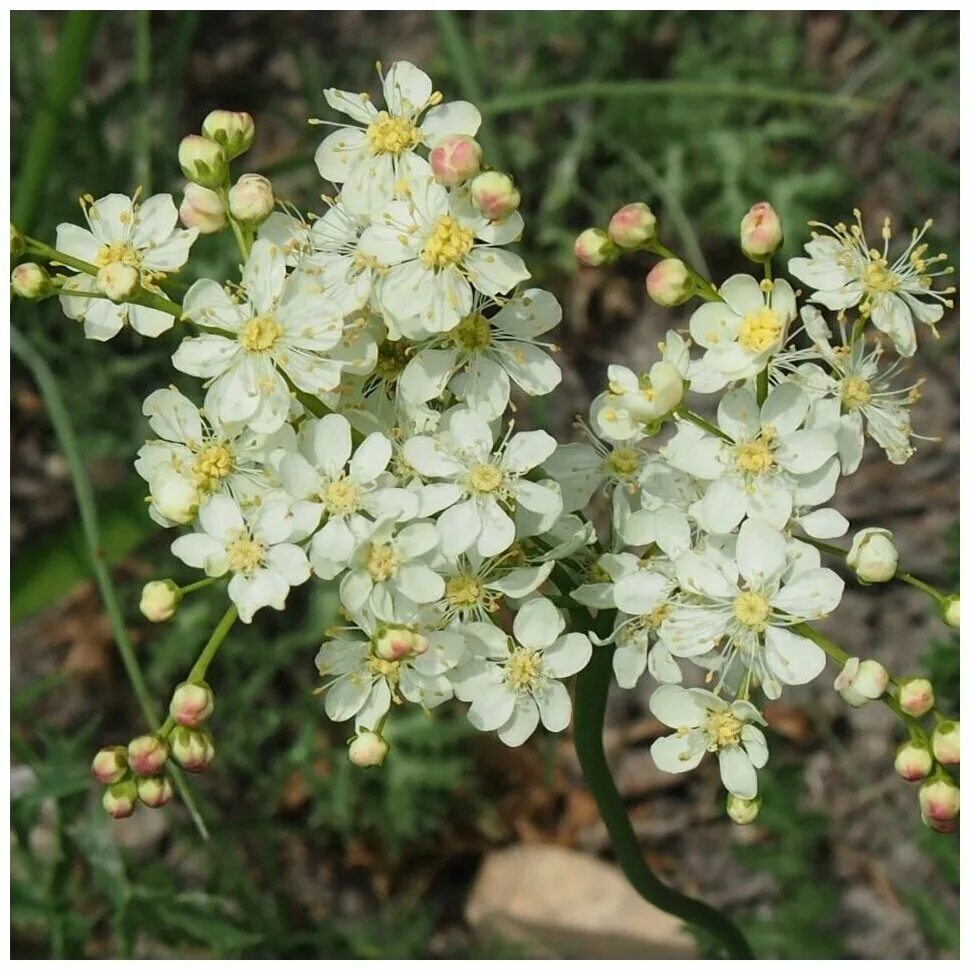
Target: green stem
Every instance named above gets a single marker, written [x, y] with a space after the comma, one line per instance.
[704, 288]
[200, 584]
[242, 243]
[857, 330]
[761, 386]
[713, 429]
[201, 667]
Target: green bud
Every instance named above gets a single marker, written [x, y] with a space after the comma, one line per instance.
[120, 800]
[233, 131]
[743, 811]
[203, 161]
[155, 791]
[192, 749]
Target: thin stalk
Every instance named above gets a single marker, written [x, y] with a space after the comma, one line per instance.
[713, 429]
[242, 243]
[199, 584]
[142, 142]
[761, 386]
[201, 667]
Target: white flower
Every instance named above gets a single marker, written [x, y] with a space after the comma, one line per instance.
[476, 488]
[263, 562]
[215, 458]
[352, 496]
[845, 272]
[517, 682]
[667, 495]
[143, 236]
[740, 331]
[281, 329]
[744, 606]
[480, 357]
[376, 160]
[762, 466]
[636, 404]
[705, 722]
[346, 275]
[439, 249]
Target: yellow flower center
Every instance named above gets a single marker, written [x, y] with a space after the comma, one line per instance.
[754, 457]
[472, 333]
[260, 334]
[752, 609]
[392, 135]
[856, 393]
[485, 478]
[760, 330]
[212, 464]
[876, 278]
[118, 253]
[723, 729]
[447, 243]
[245, 554]
[463, 591]
[381, 562]
[523, 669]
[384, 668]
[340, 497]
[624, 462]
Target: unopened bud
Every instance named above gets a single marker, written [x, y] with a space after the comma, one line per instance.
[873, 556]
[251, 199]
[916, 696]
[159, 600]
[633, 225]
[155, 792]
[743, 811]
[367, 750]
[192, 704]
[147, 754]
[30, 281]
[669, 283]
[946, 742]
[913, 761]
[192, 749]
[396, 643]
[455, 159]
[203, 161]
[121, 799]
[18, 243]
[110, 765]
[761, 232]
[202, 209]
[234, 131]
[939, 800]
[594, 248]
[495, 195]
[174, 496]
[950, 611]
[119, 282]
[861, 681]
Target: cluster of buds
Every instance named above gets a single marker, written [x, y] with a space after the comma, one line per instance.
[191, 706]
[133, 774]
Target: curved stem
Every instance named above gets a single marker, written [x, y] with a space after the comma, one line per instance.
[201, 667]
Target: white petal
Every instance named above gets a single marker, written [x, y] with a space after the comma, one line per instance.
[527, 449]
[737, 772]
[521, 725]
[812, 594]
[538, 624]
[791, 658]
[554, 705]
[493, 271]
[568, 655]
[675, 753]
[676, 707]
[451, 118]
[497, 529]
[761, 551]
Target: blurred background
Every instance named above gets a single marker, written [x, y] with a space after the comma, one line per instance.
[698, 114]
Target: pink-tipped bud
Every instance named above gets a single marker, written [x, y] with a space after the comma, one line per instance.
[110, 765]
[455, 159]
[367, 750]
[147, 754]
[633, 225]
[202, 209]
[939, 800]
[861, 681]
[916, 696]
[946, 742]
[203, 161]
[495, 195]
[121, 799]
[761, 232]
[669, 283]
[594, 248]
[743, 811]
[398, 643]
[30, 281]
[251, 199]
[192, 704]
[159, 600]
[950, 611]
[913, 761]
[192, 749]
[155, 792]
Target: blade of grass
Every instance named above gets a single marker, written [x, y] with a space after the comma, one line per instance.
[142, 142]
[84, 494]
[65, 73]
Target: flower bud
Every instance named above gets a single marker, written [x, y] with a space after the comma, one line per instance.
[121, 799]
[633, 225]
[31, 281]
[367, 750]
[861, 681]
[159, 600]
[495, 195]
[174, 496]
[946, 742]
[18, 243]
[396, 643]
[110, 765]
[950, 611]
[147, 754]
[203, 161]
[192, 749]
[594, 248]
[251, 199]
[119, 282]
[155, 792]
[916, 696]
[743, 811]
[761, 232]
[202, 209]
[669, 283]
[234, 131]
[455, 159]
[913, 761]
[939, 800]
[873, 556]
[192, 704]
